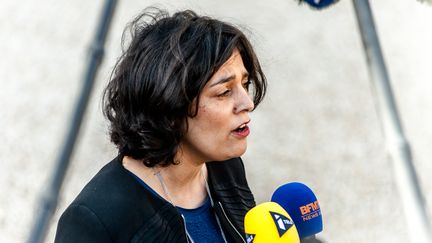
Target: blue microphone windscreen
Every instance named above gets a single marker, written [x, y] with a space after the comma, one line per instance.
[301, 203]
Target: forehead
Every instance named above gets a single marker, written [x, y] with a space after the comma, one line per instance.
[234, 60]
[233, 66]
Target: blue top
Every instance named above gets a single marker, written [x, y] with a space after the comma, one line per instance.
[201, 222]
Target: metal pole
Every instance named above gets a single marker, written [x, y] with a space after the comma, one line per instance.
[396, 142]
[49, 197]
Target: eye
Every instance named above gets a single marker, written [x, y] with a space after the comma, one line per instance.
[246, 85]
[225, 93]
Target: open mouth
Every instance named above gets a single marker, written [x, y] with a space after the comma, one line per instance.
[241, 128]
[242, 131]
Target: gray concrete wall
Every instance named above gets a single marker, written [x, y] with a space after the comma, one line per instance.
[318, 124]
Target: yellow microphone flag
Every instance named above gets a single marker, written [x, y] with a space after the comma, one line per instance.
[269, 223]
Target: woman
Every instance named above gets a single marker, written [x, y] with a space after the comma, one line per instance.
[178, 98]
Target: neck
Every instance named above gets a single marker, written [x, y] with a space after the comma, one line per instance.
[185, 183]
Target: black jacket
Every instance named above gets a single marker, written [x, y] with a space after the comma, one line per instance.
[114, 207]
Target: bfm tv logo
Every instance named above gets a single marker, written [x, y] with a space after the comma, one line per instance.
[310, 211]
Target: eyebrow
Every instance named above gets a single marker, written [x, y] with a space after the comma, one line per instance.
[245, 74]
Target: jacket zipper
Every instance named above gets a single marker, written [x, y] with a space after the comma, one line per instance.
[229, 221]
[220, 227]
[223, 211]
[188, 237]
[216, 217]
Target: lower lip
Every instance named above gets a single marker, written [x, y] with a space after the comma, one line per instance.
[244, 133]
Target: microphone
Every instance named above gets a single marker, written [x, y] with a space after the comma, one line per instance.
[269, 222]
[301, 203]
[318, 4]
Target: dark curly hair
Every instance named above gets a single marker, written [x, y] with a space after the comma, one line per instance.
[161, 72]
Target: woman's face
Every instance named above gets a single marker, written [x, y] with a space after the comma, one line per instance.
[219, 130]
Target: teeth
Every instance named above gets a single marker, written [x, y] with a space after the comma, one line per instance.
[242, 126]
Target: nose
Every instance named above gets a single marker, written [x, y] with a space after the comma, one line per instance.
[243, 102]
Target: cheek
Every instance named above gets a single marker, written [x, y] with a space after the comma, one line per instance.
[211, 118]
[209, 134]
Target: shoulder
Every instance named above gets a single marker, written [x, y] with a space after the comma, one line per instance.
[75, 223]
[111, 187]
[114, 201]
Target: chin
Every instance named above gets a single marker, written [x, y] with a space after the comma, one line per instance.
[236, 152]
[227, 152]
